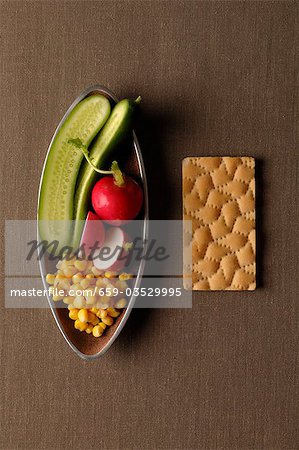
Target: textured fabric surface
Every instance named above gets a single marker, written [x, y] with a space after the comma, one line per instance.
[216, 78]
[219, 199]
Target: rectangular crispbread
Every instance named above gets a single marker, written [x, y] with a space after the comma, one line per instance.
[219, 199]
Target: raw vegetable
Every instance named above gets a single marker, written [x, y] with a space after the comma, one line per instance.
[117, 202]
[115, 130]
[56, 206]
[117, 199]
[93, 234]
[90, 313]
[116, 240]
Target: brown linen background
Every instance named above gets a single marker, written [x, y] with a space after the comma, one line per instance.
[217, 78]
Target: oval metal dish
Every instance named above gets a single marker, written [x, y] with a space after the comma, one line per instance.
[86, 346]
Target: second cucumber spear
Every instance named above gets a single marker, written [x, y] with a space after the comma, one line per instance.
[114, 131]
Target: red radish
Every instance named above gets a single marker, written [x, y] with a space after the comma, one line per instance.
[117, 203]
[93, 233]
[115, 241]
[117, 199]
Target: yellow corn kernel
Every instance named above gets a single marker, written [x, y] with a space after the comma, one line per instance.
[97, 331]
[63, 265]
[59, 265]
[95, 321]
[77, 277]
[91, 316]
[89, 292]
[96, 271]
[90, 276]
[125, 276]
[97, 305]
[112, 312]
[99, 283]
[102, 313]
[109, 290]
[80, 325]
[60, 274]
[85, 283]
[103, 302]
[88, 265]
[83, 315]
[79, 302]
[102, 325]
[121, 285]
[50, 278]
[75, 289]
[104, 298]
[108, 321]
[58, 279]
[71, 307]
[110, 274]
[68, 300]
[87, 272]
[90, 299]
[70, 271]
[70, 262]
[121, 303]
[89, 329]
[73, 314]
[57, 298]
[94, 310]
[80, 264]
[64, 284]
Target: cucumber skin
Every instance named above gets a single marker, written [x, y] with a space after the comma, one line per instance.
[113, 133]
[56, 224]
